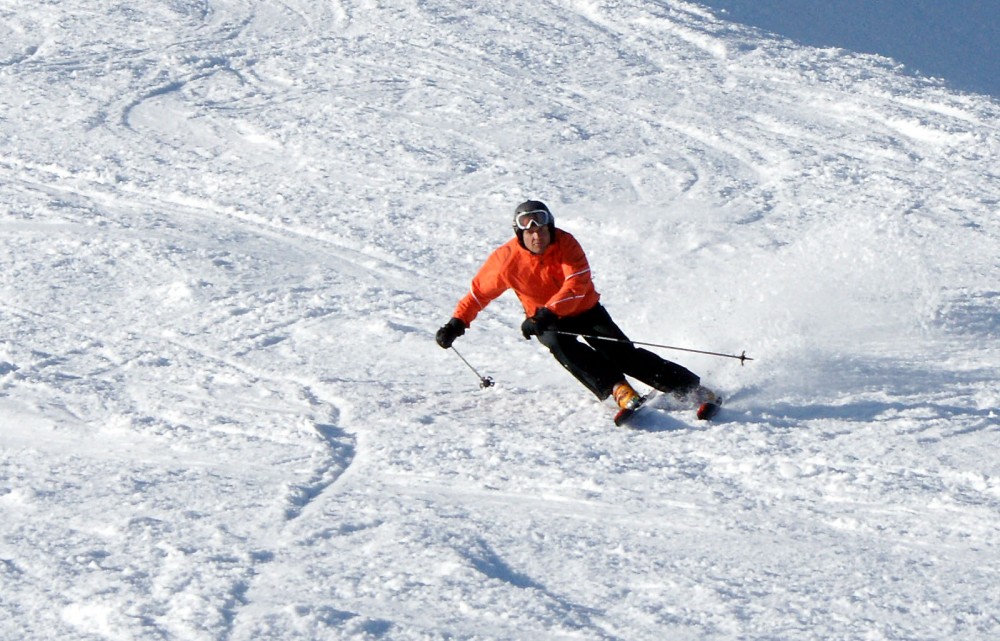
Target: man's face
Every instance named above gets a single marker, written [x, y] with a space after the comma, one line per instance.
[537, 238]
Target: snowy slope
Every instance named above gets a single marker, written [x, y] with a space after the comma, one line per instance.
[957, 41]
[231, 228]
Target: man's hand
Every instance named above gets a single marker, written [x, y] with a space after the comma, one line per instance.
[539, 323]
[449, 332]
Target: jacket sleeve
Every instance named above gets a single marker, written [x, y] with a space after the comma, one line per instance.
[577, 293]
[487, 285]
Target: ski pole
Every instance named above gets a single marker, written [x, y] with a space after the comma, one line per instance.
[484, 381]
[742, 358]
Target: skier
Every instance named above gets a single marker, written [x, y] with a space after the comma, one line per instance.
[548, 270]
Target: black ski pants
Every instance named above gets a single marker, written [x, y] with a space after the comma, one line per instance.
[601, 364]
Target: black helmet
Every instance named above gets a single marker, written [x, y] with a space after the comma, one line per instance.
[532, 212]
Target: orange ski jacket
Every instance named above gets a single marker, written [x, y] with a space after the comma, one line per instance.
[558, 279]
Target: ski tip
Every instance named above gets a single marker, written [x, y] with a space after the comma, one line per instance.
[708, 410]
[623, 416]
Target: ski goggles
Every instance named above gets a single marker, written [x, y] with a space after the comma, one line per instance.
[526, 219]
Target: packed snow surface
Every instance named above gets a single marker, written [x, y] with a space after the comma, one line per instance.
[230, 229]
[957, 40]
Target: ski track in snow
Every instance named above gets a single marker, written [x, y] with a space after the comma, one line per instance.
[231, 228]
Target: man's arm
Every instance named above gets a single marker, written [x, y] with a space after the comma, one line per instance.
[487, 285]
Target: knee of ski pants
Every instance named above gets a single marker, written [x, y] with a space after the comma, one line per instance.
[550, 338]
[594, 372]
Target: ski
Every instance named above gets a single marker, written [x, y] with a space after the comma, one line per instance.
[704, 411]
[624, 414]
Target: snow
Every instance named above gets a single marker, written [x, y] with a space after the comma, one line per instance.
[957, 41]
[230, 230]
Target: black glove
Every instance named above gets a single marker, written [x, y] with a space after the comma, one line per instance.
[449, 332]
[539, 323]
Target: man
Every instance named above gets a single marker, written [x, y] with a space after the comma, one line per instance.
[548, 270]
